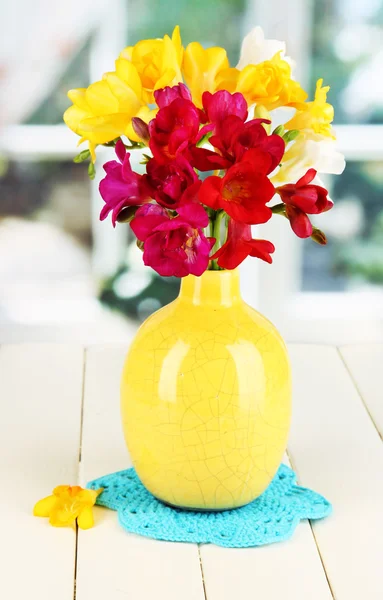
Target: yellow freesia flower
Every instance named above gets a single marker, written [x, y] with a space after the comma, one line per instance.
[269, 83]
[316, 115]
[67, 504]
[158, 62]
[201, 69]
[104, 110]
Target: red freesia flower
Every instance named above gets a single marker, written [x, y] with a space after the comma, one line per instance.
[253, 135]
[169, 181]
[173, 129]
[231, 139]
[166, 95]
[121, 187]
[240, 245]
[174, 247]
[244, 190]
[304, 198]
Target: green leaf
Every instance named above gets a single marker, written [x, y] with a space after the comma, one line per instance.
[91, 171]
[84, 155]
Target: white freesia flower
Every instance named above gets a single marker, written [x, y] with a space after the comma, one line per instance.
[255, 49]
[309, 151]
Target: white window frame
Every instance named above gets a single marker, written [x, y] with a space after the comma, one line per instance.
[57, 142]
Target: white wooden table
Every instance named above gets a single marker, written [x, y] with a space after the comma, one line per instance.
[60, 423]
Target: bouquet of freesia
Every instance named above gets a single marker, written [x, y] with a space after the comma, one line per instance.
[225, 148]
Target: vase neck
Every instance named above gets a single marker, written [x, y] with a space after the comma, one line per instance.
[214, 288]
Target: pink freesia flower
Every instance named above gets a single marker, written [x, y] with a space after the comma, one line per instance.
[220, 105]
[240, 245]
[166, 95]
[173, 129]
[170, 180]
[302, 198]
[121, 187]
[218, 108]
[174, 246]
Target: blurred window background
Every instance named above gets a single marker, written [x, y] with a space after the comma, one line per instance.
[64, 276]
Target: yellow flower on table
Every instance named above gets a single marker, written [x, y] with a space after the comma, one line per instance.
[316, 115]
[158, 62]
[67, 504]
[268, 83]
[201, 69]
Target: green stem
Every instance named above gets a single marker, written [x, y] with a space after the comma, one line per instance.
[215, 228]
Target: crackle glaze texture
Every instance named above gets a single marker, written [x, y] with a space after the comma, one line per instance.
[206, 397]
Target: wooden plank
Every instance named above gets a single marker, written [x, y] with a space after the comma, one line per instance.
[111, 563]
[40, 391]
[365, 364]
[337, 451]
[290, 570]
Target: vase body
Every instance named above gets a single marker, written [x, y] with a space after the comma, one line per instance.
[206, 397]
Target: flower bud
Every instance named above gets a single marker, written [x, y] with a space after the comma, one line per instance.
[91, 171]
[318, 236]
[279, 130]
[290, 136]
[126, 214]
[141, 129]
[140, 245]
[84, 155]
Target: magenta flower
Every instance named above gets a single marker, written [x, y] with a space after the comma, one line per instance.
[166, 95]
[222, 104]
[173, 129]
[174, 246]
[169, 181]
[121, 187]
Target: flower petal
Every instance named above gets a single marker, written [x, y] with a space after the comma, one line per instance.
[146, 219]
[299, 221]
[194, 214]
[43, 507]
[209, 192]
[85, 519]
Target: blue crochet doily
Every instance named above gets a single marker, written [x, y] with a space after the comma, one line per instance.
[272, 517]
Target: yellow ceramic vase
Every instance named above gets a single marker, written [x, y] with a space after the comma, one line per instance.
[206, 397]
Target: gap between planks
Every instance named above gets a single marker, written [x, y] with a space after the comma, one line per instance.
[202, 574]
[84, 356]
[312, 532]
[358, 390]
